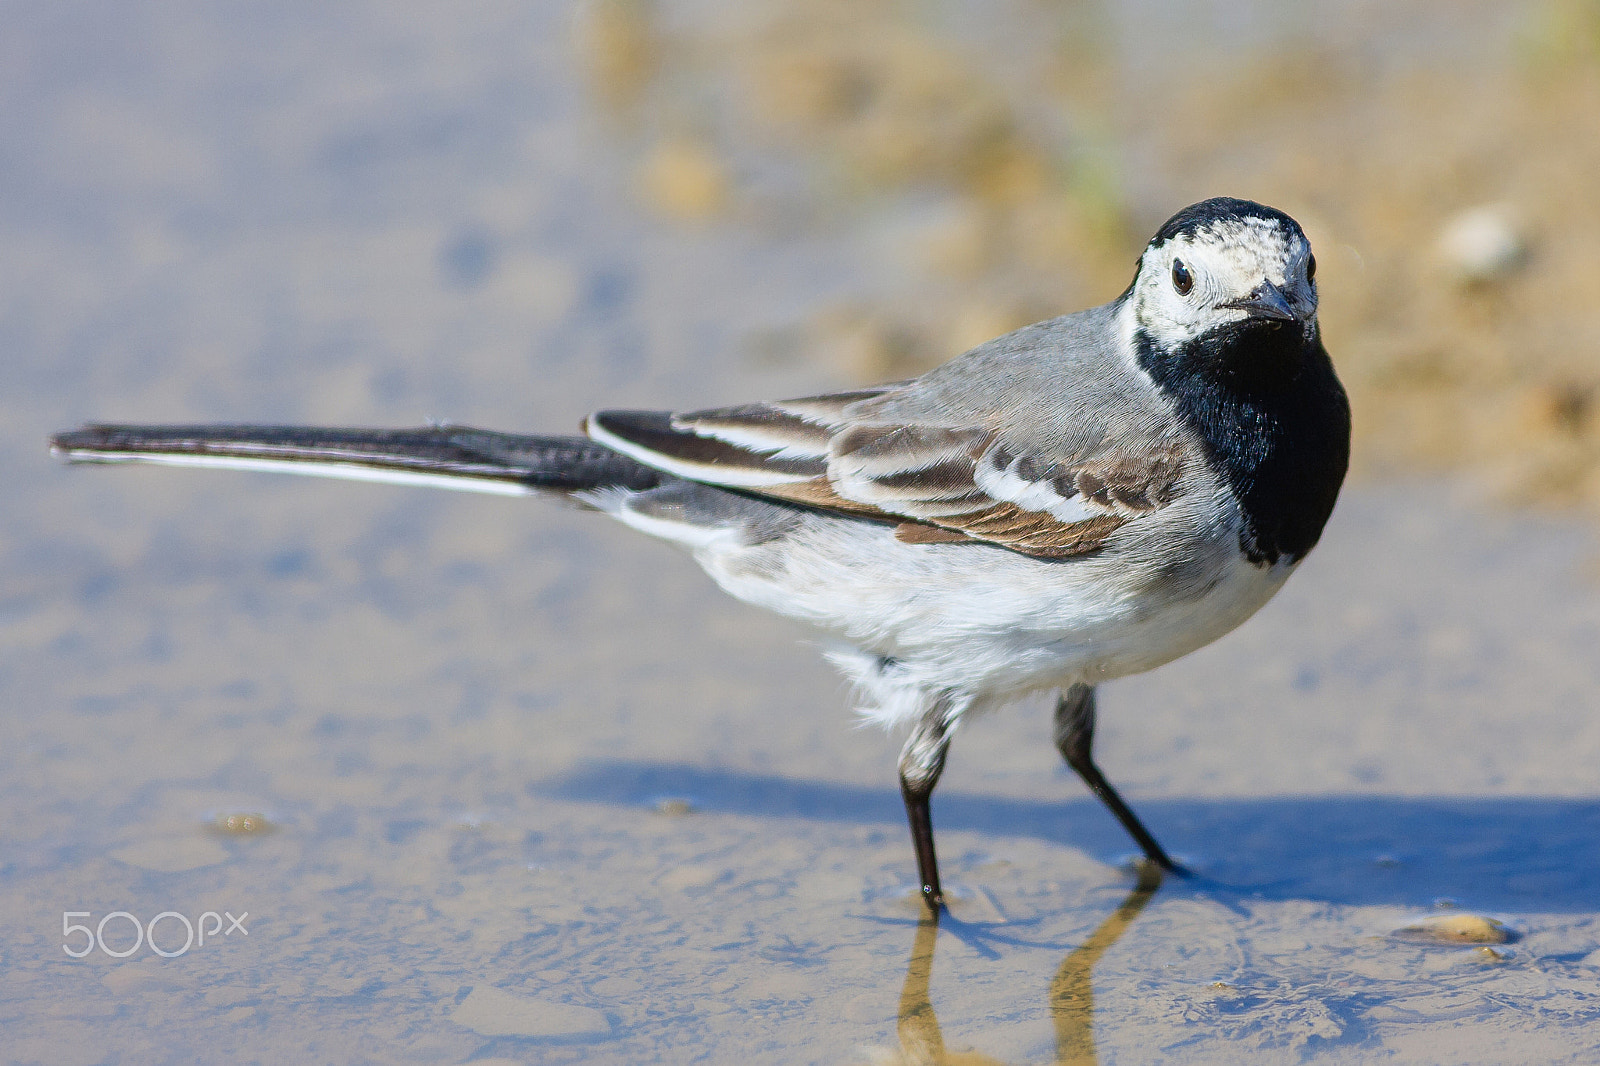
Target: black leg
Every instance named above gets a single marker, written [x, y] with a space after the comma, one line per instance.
[1075, 739]
[921, 763]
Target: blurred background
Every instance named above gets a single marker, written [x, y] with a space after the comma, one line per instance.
[502, 782]
[1007, 162]
[937, 173]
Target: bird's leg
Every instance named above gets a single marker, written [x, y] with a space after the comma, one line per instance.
[1075, 739]
[921, 763]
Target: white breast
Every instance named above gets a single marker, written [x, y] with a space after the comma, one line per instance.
[994, 624]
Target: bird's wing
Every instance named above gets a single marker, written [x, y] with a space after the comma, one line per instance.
[939, 483]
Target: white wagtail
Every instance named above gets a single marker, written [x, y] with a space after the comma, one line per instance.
[1085, 498]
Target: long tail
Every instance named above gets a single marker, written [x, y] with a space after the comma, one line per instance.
[454, 457]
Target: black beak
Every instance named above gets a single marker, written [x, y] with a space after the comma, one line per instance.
[1268, 301]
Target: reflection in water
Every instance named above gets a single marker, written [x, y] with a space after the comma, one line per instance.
[1071, 993]
[921, 1043]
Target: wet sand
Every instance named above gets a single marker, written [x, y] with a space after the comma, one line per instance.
[495, 780]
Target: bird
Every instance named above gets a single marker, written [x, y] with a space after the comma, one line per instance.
[1079, 500]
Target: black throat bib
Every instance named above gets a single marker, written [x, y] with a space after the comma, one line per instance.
[1275, 422]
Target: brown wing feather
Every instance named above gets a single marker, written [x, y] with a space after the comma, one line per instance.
[921, 533]
[1002, 525]
[936, 484]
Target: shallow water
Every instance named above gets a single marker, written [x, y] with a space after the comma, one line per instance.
[489, 779]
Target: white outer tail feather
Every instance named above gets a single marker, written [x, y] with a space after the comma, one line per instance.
[342, 471]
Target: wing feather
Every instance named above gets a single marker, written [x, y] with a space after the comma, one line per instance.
[654, 439]
[760, 428]
[939, 484]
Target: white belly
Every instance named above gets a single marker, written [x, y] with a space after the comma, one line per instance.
[967, 625]
[991, 623]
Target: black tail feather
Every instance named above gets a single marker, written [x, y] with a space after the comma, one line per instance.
[560, 464]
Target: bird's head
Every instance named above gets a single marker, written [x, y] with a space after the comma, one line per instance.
[1224, 267]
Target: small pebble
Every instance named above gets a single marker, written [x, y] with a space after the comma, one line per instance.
[684, 179]
[1455, 929]
[242, 824]
[1483, 244]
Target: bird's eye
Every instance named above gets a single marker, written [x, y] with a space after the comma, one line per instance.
[1182, 280]
[1311, 266]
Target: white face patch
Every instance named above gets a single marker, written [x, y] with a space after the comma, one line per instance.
[1221, 262]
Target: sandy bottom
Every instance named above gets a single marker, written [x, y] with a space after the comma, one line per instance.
[483, 779]
[578, 807]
